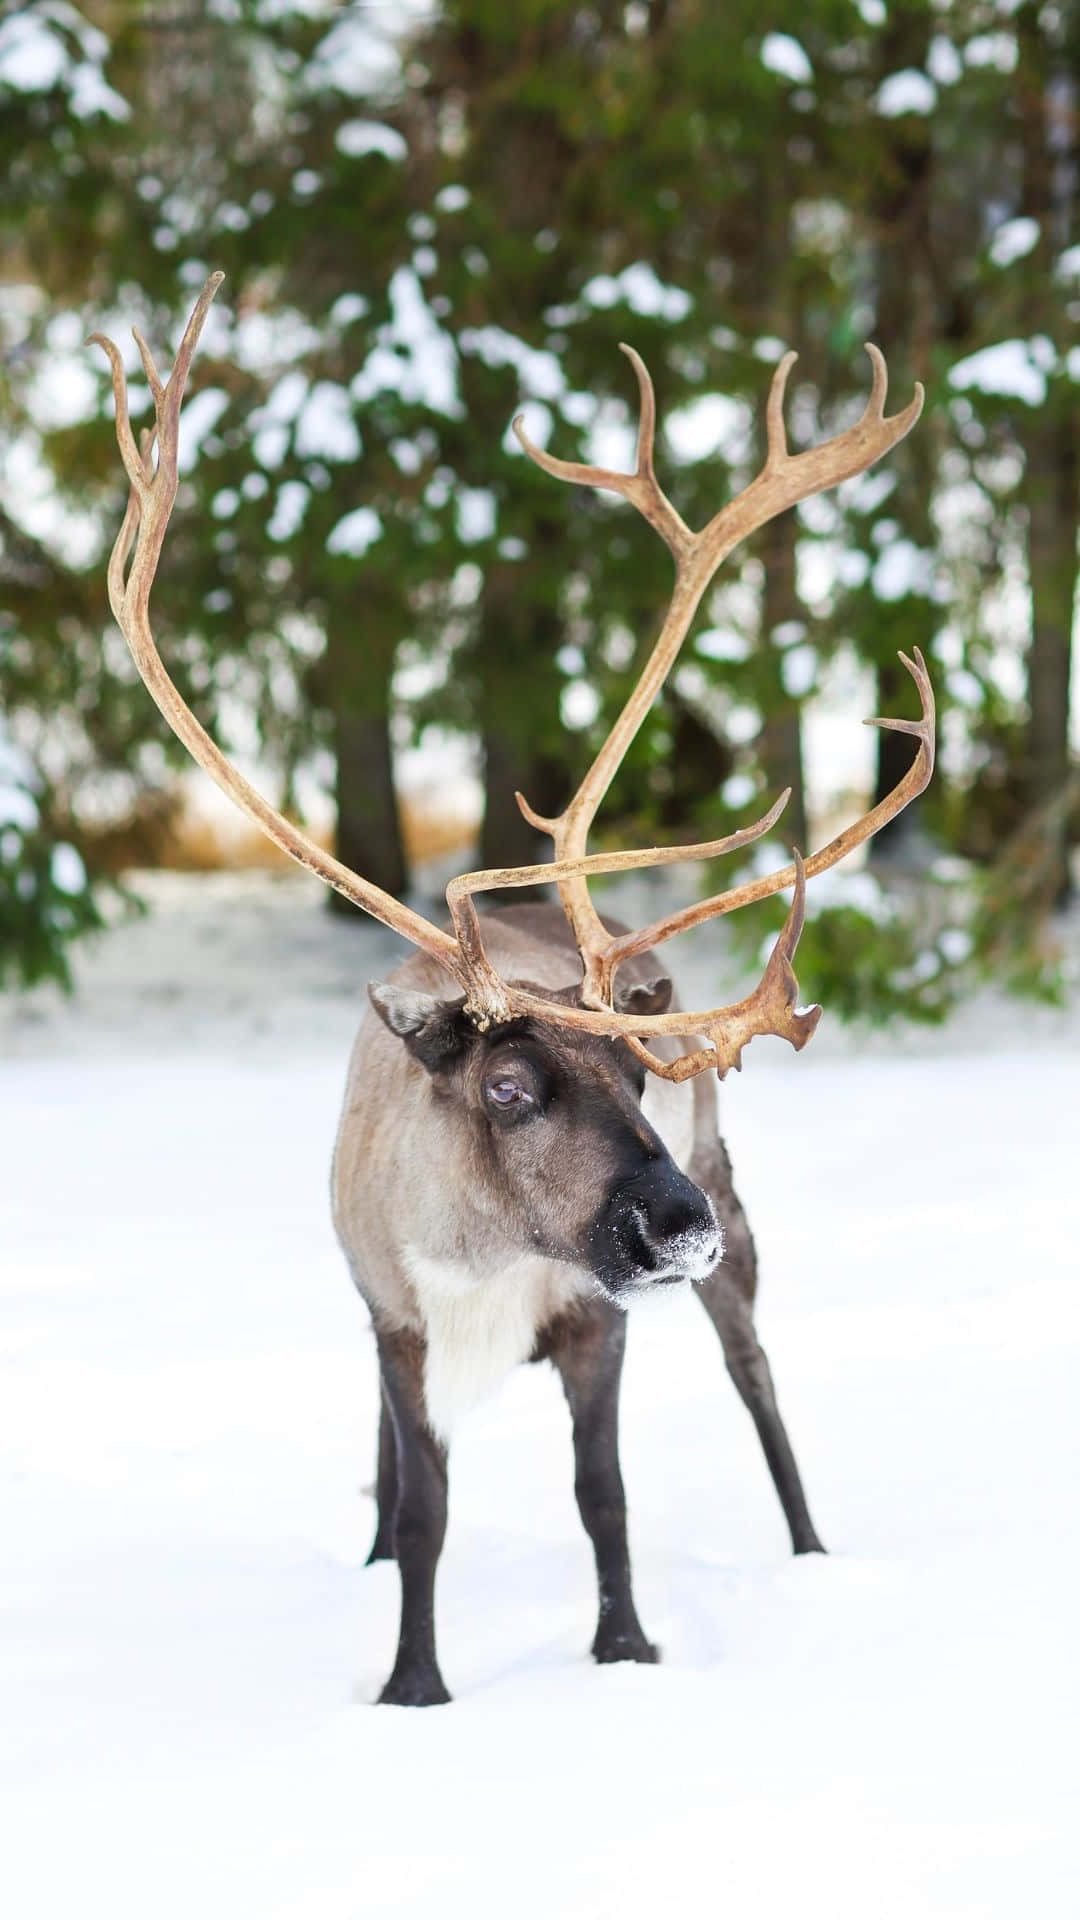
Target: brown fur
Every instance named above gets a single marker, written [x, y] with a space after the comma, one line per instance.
[471, 1241]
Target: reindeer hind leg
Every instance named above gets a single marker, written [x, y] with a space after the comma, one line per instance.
[728, 1299]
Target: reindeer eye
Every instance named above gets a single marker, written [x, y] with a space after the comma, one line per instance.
[506, 1093]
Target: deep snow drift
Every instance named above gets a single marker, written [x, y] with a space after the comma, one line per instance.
[191, 1641]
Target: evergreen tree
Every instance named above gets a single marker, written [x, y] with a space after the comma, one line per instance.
[424, 233]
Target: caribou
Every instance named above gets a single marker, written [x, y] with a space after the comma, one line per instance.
[528, 1141]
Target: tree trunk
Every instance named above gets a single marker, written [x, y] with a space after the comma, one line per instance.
[368, 835]
[779, 743]
[1052, 494]
[780, 740]
[901, 214]
[506, 839]
[519, 688]
[1051, 485]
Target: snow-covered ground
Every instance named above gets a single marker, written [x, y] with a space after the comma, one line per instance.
[191, 1641]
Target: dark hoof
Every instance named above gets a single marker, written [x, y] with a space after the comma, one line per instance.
[810, 1545]
[414, 1690]
[381, 1549]
[607, 1648]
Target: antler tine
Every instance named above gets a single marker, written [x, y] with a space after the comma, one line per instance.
[460, 891]
[923, 728]
[771, 1009]
[875, 406]
[623, 946]
[153, 378]
[786, 478]
[129, 452]
[641, 487]
[150, 503]
[646, 409]
[775, 427]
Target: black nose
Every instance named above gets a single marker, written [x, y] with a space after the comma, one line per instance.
[657, 1227]
[675, 1210]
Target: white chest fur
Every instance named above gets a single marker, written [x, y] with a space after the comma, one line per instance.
[480, 1326]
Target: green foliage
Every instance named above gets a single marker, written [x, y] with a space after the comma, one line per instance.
[868, 957]
[422, 237]
[45, 897]
[876, 970]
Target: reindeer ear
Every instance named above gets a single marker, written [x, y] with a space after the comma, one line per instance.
[642, 997]
[434, 1031]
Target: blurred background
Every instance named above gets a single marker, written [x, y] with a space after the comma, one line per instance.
[432, 216]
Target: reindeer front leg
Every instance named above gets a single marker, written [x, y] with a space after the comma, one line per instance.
[386, 1486]
[419, 1524]
[588, 1353]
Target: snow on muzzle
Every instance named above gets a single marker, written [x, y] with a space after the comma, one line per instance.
[655, 1229]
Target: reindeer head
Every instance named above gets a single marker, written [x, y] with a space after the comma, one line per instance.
[562, 1152]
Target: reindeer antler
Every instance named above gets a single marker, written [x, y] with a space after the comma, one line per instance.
[784, 478]
[153, 493]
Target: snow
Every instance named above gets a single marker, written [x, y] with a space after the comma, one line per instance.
[579, 704]
[65, 388]
[906, 92]
[263, 341]
[998, 50]
[782, 54]
[1013, 239]
[739, 790]
[66, 868]
[289, 509]
[539, 372]
[1008, 369]
[224, 503]
[798, 671]
[18, 808]
[413, 356]
[355, 533]
[902, 568]
[325, 427]
[35, 57]
[200, 416]
[353, 59]
[359, 137]
[28, 493]
[32, 60]
[641, 289]
[187, 1426]
[612, 438]
[347, 308]
[722, 643]
[714, 424]
[943, 63]
[476, 514]
[452, 199]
